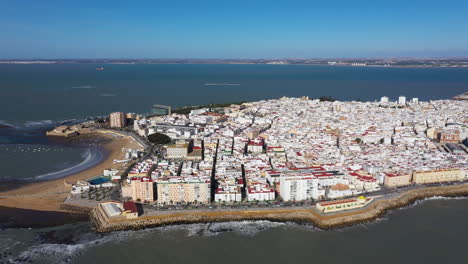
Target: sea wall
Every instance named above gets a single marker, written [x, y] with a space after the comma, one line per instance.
[289, 214]
[75, 208]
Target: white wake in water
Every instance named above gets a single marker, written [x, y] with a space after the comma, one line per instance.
[38, 123]
[89, 156]
[222, 84]
[63, 253]
[83, 87]
[419, 202]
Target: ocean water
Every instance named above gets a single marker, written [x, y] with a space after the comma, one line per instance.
[34, 93]
[431, 231]
[26, 154]
[37, 97]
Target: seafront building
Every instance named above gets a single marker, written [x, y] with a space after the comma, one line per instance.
[118, 119]
[397, 179]
[343, 205]
[298, 149]
[117, 210]
[440, 175]
[183, 190]
[139, 189]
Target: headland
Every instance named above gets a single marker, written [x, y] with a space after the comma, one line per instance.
[317, 161]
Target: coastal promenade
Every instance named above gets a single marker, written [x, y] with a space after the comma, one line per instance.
[305, 214]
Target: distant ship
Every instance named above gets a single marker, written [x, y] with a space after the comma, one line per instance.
[99, 68]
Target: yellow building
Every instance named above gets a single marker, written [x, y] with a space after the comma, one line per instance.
[395, 179]
[440, 175]
[342, 205]
[177, 151]
[432, 132]
[183, 190]
[139, 189]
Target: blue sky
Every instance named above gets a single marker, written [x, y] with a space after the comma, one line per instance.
[232, 29]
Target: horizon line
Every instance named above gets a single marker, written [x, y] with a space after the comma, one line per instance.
[240, 59]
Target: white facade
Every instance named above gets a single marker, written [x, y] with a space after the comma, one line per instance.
[298, 188]
[228, 197]
[401, 100]
[260, 192]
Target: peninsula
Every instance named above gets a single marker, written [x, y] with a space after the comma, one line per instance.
[319, 161]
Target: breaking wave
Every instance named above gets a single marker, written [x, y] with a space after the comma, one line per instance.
[4, 123]
[420, 202]
[45, 124]
[92, 157]
[38, 123]
[83, 240]
[245, 228]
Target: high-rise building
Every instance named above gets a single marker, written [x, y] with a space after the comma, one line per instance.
[401, 100]
[139, 189]
[118, 119]
[384, 99]
[183, 190]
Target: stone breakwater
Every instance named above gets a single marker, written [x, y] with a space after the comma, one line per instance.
[289, 214]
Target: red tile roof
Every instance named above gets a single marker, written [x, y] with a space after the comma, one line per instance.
[130, 206]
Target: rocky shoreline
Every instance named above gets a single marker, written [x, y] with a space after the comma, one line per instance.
[298, 215]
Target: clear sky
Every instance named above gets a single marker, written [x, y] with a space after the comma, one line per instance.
[232, 29]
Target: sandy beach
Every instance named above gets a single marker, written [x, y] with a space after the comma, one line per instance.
[48, 195]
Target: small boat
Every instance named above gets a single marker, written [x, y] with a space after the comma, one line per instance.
[99, 68]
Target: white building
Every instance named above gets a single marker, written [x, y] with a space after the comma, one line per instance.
[401, 100]
[260, 192]
[298, 188]
[384, 99]
[228, 193]
[255, 147]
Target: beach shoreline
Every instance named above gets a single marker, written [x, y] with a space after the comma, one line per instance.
[48, 194]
